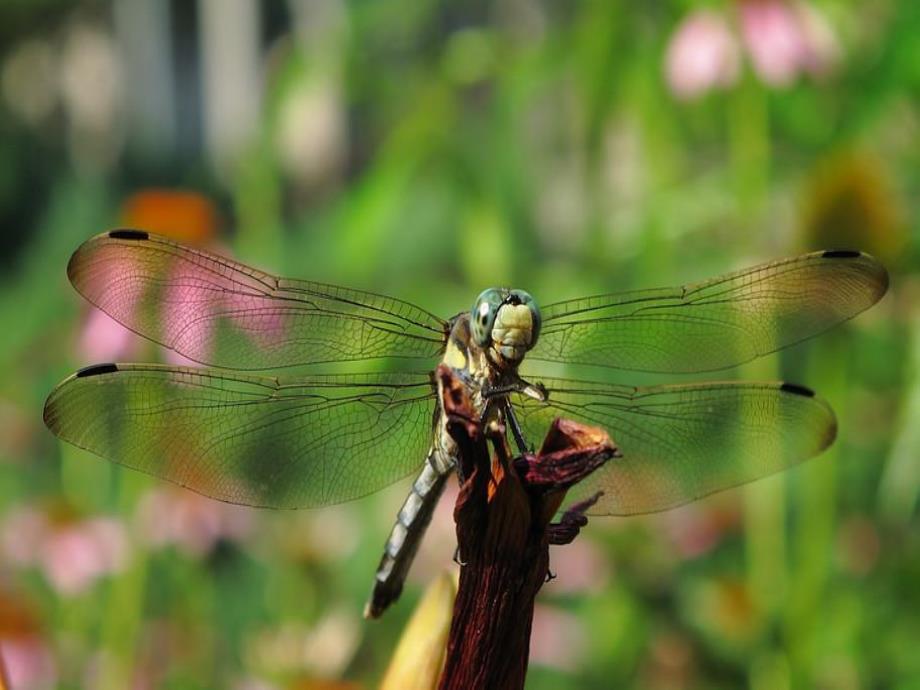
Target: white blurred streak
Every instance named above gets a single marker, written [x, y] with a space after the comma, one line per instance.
[90, 82]
[28, 81]
[562, 204]
[624, 183]
[319, 25]
[145, 47]
[231, 76]
[552, 131]
[899, 488]
[312, 137]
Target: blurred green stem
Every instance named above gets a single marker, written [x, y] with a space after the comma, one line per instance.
[124, 608]
[813, 529]
[899, 487]
[765, 525]
[749, 146]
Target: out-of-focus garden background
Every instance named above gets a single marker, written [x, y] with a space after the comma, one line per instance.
[428, 150]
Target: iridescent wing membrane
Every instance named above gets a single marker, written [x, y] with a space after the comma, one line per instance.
[715, 324]
[683, 442]
[246, 439]
[313, 440]
[680, 443]
[257, 440]
[218, 312]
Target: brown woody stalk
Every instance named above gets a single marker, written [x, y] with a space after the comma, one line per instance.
[504, 531]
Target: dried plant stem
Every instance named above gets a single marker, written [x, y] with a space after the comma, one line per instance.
[504, 531]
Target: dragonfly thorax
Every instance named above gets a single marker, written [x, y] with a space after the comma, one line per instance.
[505, 324]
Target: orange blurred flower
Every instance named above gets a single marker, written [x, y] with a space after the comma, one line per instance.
[185, 216]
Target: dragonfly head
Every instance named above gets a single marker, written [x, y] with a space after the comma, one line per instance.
[506, 323]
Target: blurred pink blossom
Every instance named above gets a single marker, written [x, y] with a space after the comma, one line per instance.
[103, 339]
[786, 39]
[21, 532]
[557, 639]
[702, 55]
[782, 38]
[72, 554]
[75, 556]
[696, 529]
[29, 663]
[579, 567]
[189, 521]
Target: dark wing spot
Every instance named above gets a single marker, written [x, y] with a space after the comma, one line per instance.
[128, 234]
[840, 254]
[96, 369]
[796, 389]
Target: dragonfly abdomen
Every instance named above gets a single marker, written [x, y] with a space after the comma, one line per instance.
[411, 522]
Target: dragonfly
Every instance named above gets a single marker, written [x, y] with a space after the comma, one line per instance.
[252, 427]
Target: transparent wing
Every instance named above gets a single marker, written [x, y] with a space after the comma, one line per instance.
[251, 440]
[715, 324]
[219, 312]
[680, 443]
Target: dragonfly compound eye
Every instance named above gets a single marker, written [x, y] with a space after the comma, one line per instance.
[482, 317]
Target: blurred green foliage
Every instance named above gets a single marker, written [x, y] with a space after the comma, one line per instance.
[428, 150]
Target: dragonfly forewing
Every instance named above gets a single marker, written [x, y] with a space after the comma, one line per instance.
[251, 440]
[715, 324]
[680, 443]
[219, 312]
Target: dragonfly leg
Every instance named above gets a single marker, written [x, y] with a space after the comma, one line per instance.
[537, 391]
[516, 429]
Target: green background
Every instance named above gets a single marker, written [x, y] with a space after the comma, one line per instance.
[429, 150]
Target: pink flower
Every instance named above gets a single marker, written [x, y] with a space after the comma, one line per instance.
[694, 530]
[782, 38]
[29, 663]
[20, 533]
[558, 638]
[702, 55]
[191, 522]
[72, 554]
[103, 339]
[75, 556]
[579, 567]
[786, 39]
